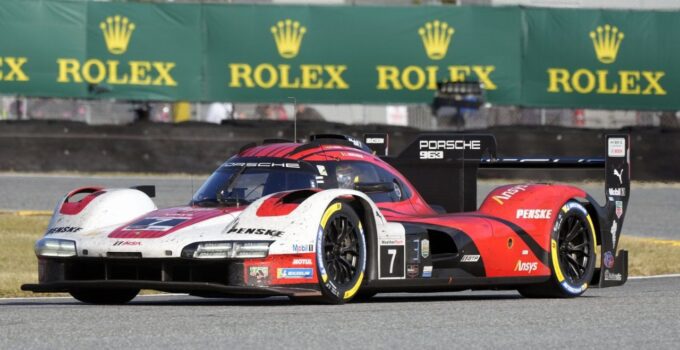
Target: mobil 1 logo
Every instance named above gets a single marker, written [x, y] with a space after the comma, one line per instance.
[392, 261]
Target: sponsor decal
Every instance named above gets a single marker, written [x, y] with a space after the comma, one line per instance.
[534, 213]
[64, 229]
[412, 271]
[526, 266]
[322, 170]
[617, 191]
[302, 261]
[574, 290]
[619, 209]
[608, 276]
[615, 227]
[427, 271]
[616, 147]
[391, 242]
[155, 224]
[425, 248]
[469, 258]
[258, 275]
[525, 252]
[606, 41]
[303, 248]
[262, 165]
[608, 259]
[127, 243]
[619, 174]
[507, 194]
[306, 273]
[375, 140]
[255, 231]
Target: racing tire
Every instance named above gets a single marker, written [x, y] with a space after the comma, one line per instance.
[572, 255]
[104, 296]
[340, 253]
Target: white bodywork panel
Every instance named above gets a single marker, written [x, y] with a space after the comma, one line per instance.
[118, 207]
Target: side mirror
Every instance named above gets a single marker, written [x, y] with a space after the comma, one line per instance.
[374, 187]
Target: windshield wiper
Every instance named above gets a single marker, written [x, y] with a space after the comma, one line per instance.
[229, 187]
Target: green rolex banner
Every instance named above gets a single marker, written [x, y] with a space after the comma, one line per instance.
[604, 59]
[359, 54]
[338, 54]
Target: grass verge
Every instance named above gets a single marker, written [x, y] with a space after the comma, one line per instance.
[18, 264]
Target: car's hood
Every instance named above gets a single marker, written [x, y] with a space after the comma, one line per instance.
[163, 222]
[159, 233]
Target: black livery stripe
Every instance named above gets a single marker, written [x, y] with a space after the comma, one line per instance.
[538, 251]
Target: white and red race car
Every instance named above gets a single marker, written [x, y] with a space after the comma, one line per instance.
[329, 220]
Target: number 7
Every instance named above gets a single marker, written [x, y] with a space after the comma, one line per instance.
[392, 252]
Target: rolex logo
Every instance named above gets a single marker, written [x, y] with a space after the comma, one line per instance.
[117, 31]
[436, 37]
[288, 37]
[606, 41]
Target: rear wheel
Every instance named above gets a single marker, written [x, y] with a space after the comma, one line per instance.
[341, 253]
[105, 296]
[572, 255]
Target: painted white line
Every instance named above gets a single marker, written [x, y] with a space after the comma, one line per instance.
[53, 298]
[672, 275]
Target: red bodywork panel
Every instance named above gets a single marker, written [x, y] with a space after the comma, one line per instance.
[74, 208]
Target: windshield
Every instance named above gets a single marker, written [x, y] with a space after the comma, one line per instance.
[239, 185]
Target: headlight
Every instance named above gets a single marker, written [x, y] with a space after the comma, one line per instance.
[222, 250]
[55, 247]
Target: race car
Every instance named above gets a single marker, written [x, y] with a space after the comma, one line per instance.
[336, 218]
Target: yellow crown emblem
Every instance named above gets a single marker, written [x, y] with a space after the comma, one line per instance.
[117, 31]
[288, 37]
[436, 37]
[606, 42]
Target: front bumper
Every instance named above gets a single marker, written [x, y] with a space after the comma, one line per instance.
[196, 288]
[221, 277]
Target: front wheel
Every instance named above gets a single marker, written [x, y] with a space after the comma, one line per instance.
[340, 253]
[104, 296]
[572, 255]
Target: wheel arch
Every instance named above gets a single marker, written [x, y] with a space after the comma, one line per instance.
[364, 210]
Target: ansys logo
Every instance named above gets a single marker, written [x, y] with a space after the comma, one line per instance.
[117, 31]
[288, 37]
[436, 38]
[606, 42]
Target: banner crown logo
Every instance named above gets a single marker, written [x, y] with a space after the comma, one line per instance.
[117, 31]
[436, 37]
[606, 41]
[288, 37]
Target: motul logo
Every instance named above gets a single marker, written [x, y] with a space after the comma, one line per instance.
[526, 266]
[534, 213]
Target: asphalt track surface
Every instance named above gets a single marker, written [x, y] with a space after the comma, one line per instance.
[652, 210]
[641, 314]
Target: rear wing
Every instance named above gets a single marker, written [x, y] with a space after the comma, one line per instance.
[443, 167]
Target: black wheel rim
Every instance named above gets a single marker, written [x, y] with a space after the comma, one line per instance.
[341, 250]
[574, 248]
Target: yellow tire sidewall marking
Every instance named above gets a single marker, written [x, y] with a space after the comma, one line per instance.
[555, 261]
[327, 214]
[351, 292]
